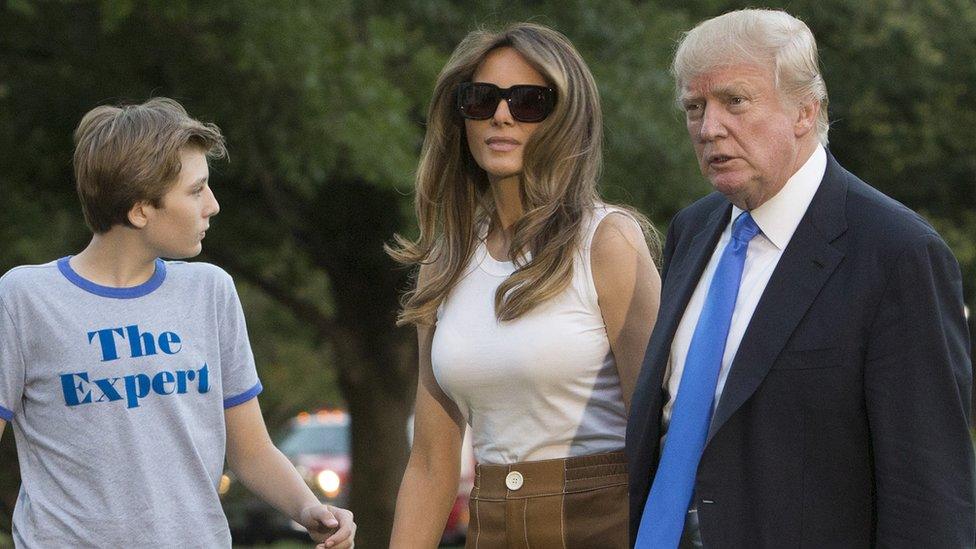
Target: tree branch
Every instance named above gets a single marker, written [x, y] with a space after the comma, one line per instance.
[281, 201]
[305, 310]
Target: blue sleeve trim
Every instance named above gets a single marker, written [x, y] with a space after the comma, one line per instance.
[6, 414]
[243, 397]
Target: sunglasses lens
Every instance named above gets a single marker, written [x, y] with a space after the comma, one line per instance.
[530, 103]
[478, 101]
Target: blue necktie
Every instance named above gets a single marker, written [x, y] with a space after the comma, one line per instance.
[667, 504]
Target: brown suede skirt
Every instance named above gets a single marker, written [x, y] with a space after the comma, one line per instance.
[571, 503]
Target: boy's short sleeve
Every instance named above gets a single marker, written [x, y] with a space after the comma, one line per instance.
[238, 373]
[12, 367]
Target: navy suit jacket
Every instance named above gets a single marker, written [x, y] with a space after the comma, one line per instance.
[846, 416]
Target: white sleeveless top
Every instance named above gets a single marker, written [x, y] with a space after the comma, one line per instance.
[542, 386]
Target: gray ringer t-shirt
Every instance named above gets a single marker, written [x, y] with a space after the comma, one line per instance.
[117, 398]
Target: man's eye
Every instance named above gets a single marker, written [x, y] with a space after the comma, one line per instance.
[736, 100]
[693, 111]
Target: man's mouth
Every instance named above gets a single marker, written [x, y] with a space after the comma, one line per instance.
[718, 160]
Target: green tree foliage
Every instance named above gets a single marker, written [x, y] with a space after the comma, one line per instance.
[323, 103]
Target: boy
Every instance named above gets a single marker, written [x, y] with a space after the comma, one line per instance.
[126, 377]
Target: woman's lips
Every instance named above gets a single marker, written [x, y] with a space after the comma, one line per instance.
[502, 144]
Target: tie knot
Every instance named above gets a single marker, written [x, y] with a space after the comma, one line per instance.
[745, 229]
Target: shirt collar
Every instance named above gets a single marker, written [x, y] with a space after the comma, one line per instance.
[779, 216]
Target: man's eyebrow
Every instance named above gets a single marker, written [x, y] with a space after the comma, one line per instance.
[733, 88]
[724, 90]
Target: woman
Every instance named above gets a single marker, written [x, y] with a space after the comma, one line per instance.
[533, 305]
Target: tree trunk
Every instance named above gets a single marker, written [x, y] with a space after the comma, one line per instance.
[376, 360]
[379, 414]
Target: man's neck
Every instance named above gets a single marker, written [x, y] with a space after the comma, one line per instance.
[117, 258]
[804, 152]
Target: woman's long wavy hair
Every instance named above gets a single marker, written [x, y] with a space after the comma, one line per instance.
[561, 165]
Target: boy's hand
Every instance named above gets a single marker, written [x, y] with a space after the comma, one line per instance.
[332, 527]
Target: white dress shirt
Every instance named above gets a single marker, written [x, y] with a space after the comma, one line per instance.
[778, 219]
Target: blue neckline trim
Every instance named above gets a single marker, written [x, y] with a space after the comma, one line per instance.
[147, 287]
[243, 397]
[6, 414]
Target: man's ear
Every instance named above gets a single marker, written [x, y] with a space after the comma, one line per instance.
[806, 118]
[139, 213]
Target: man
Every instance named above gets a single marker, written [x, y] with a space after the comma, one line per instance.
[808, 381]
[125, 376]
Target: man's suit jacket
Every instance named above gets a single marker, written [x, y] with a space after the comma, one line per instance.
[846, 415]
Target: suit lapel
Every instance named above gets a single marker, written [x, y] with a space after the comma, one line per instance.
[687, 269]
[806, 264]
[682, 276]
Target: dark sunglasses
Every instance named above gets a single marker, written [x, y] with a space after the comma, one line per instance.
[478, 101]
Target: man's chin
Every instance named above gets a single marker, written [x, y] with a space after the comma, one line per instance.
[729, 184]
[177, 255]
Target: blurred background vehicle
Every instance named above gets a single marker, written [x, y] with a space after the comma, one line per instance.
[318, 444]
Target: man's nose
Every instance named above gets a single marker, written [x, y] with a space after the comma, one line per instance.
[712, 123]
[214, 207]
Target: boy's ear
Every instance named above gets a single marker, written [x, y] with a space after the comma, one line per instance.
[139, 214]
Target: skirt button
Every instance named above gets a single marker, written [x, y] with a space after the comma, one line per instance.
[514, 480]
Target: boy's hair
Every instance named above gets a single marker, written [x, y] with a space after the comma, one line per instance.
[131, 153]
